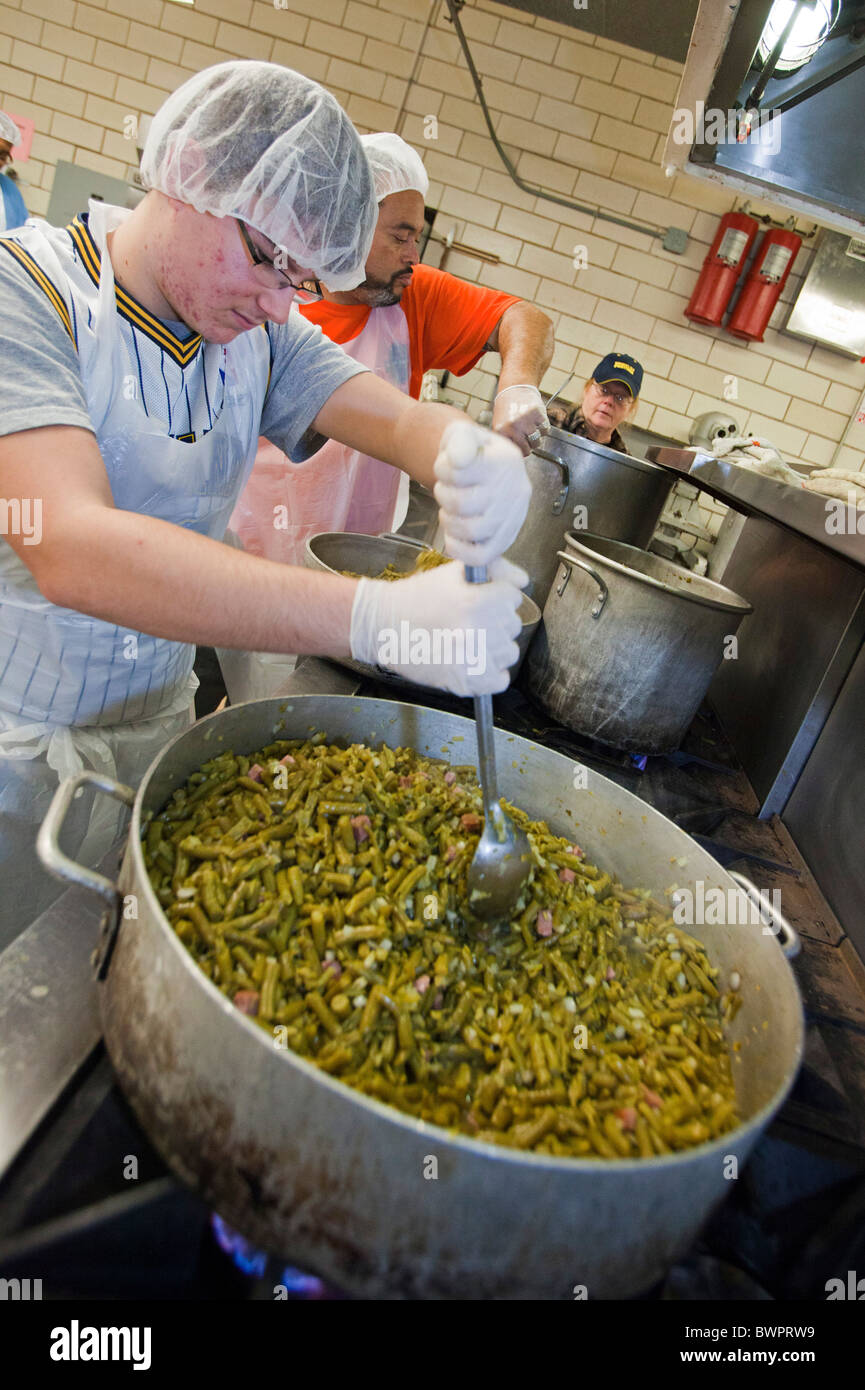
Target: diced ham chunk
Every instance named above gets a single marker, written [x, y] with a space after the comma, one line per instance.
[361, 825]
[628, 1117]
[567, 875]
[288, 760]
[255, 772]
[405, 781]
[247, 1001]
[470, 821]
[422, 984]
[544, 923]
[334, 966]
[450, 778]
[575, 849]
[450, 854]
[652, 1098]
[611, 974]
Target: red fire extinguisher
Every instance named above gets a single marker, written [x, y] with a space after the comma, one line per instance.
[762, 288]
[722, 267]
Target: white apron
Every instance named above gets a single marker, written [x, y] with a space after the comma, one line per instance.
[337, 489]
[76, 692]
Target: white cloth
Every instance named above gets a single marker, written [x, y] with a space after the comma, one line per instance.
[483, 492]
[841, 483]
[337, 489]
[757, 455]
[75, 691]
[263, 143]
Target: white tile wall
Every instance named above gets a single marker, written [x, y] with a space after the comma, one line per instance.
[581, 116]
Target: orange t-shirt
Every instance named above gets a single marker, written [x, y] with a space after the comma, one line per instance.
[449, 321]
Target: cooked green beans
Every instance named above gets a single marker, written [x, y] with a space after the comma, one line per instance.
[323, 890]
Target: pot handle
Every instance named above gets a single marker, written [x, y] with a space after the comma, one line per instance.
[776, 923]
[47, 841]
[598, 606]
[559, 504]
[406, 540]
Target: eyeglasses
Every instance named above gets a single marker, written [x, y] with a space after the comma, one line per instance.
[285, 282]
[620, 397]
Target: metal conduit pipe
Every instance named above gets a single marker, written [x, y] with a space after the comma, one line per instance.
[659, 234]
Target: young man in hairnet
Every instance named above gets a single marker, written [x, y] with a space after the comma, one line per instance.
[13, 209]
[145, 352]
[403, 320]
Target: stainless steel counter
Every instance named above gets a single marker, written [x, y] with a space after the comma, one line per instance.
[794, 652]
[826, 812]
[49, 1018]
[804, 513]
[791, 701]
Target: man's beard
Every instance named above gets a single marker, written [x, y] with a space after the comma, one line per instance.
[379, 293]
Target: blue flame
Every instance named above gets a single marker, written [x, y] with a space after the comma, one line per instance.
[253, 1262]
[246, 1257]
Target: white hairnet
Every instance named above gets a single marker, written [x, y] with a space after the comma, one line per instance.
[396, 167]
[9, 130]
[265, 144]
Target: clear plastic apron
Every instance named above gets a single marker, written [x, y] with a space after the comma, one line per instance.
[76, 692]
[337, 489]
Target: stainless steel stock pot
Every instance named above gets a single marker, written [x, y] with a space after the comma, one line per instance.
[343, 1185]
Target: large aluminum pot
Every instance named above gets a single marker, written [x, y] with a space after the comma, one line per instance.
[623, 498]
[337, 551]
[629, 644]
[344, 1185]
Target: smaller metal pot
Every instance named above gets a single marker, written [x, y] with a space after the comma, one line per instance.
[338, 551]
[623, 498]
[629, 644]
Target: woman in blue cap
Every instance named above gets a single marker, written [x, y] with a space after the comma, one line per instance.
[609, 398]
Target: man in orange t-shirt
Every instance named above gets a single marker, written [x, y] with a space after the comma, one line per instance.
[405, 319]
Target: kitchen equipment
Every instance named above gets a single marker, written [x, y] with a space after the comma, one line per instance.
[378, 1203]
[503, 858]
[712, 425]
[622, 496]
[830, 306]
[629, 644]
[336, 551]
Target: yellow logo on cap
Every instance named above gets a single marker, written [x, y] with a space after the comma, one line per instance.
[624, 366]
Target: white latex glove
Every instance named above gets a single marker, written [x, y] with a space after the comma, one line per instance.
[483, 492]
[519, 412]
[437, 629]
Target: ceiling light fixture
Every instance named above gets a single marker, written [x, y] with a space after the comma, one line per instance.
[811, 29]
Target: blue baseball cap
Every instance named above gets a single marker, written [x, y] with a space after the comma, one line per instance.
[617, 366]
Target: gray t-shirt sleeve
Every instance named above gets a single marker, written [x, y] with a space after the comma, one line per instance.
[306, 369]
[38, 360]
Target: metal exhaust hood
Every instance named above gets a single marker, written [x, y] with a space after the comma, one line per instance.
[806, 145]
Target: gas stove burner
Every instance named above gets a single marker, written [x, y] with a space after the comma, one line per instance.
[271, 1278]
